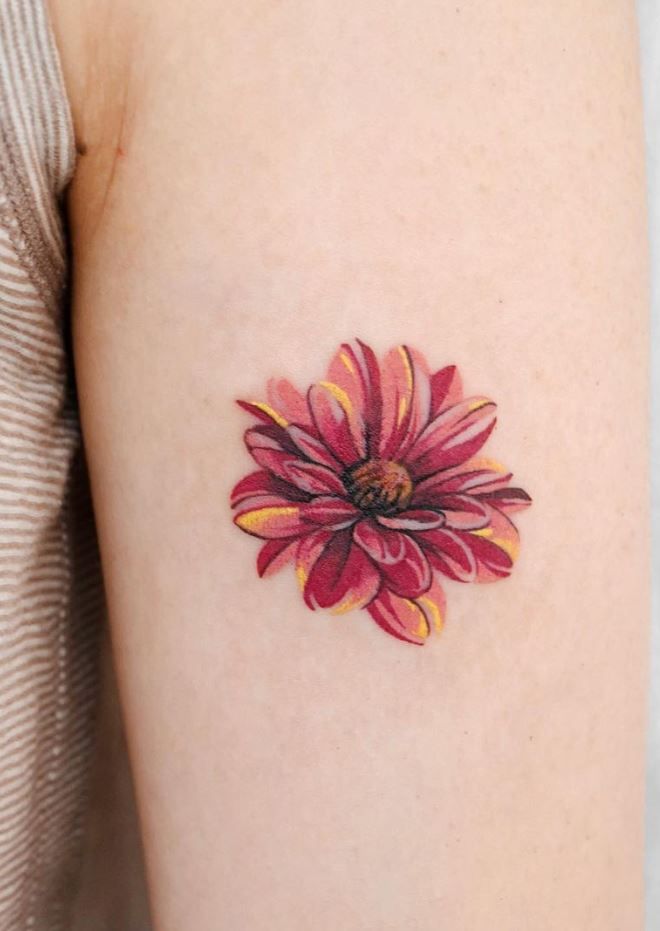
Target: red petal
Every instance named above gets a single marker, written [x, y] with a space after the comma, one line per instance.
[495, 548]
[338, 422]
[434, 603]
[262, 483]
[355, 369]
[450, 554]
[342, 577]
[446, 389]
[331, 512]
[268, 437]
[413, 519]
[454, 436]
[403, 565]
[307, 476]
[313, 478]
[264, 412]
[400, 617]
[406, 394]
[507, 499]
[492, 562]
[313, 448]
[475, 476]
[463, 512]
[309, 549]
[274, 555]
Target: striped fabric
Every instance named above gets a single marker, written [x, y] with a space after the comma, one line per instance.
[50, 589]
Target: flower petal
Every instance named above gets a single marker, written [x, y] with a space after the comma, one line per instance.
[450, 554]
[401, 617]
[495, 548]
[263, 412]
[275, 554]
[507, 499]
[463, 512]
[446, 389]
[271, 517]
[355, 370]
[474, 476]
[454, 436]
[413, 519]
[274, 450]
[434, 603]
[342, 577]
[331, 512]
[308, 551]
[309, 477]
[406, 392]
[338, 422]
[403, 565]
[268, 437]
[274, 517]
[313, 448]
[290, 403]
[263, 483]
[314, 479]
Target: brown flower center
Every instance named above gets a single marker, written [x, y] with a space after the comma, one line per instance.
[379, 486]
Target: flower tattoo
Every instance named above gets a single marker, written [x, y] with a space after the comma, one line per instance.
[370, 484]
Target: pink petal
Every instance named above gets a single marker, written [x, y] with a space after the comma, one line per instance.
[307, 476]
[274, 517]
[400, 617]
[446, 389]
[288, 401]
[495, 548]
[413, 519]
[403, 565]
[475, 476]
[314, 479]
[342, 577]
[449, 553]
[331, 512]
[355, 370]
[463, 512]
[454, 436]
[406, 394]
[309, 548]
[268, 437]
[338, 422]
[492, 562]
[262, 483]
[507, 499]
[275, 554]
[434, 604]
[313, 448]
[271, 517]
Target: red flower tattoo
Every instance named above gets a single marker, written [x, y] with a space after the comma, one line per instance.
[371, 485]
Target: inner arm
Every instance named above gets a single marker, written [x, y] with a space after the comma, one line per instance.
[465, 182]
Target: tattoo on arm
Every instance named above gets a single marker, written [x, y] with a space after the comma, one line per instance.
[372, 484]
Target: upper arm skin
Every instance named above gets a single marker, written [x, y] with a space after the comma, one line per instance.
[466, 179]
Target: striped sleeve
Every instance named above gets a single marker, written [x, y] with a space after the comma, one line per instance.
[50, 590]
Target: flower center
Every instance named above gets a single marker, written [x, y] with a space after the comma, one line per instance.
[379, 486]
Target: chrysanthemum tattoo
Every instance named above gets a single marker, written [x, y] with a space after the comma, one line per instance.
[372, 486]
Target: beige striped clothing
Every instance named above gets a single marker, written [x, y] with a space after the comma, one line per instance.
[50, 588]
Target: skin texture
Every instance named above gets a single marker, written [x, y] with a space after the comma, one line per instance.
[260, 183]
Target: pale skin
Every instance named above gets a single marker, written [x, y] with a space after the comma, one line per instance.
[261, 182]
